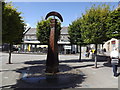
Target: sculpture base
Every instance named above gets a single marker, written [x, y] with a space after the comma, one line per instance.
[52, 69]
[35, 77]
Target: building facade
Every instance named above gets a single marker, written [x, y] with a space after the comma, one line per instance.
[112, 43]
[31, 44]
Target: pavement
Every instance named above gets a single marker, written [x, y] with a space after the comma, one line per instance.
[90, 77]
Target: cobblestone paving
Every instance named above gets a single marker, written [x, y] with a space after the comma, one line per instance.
[102, 77]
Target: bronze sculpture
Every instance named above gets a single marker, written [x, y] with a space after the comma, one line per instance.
[52, 62]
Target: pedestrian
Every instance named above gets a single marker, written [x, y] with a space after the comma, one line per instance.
[91, 54]
[114, 55]
[19, 49]
[104, 50]
[87, 53]
[93, 50]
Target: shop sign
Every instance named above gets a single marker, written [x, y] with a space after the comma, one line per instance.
[113, 42]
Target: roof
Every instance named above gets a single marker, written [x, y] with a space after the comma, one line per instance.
[35, 42]
[64, 30]
[32, 31]
[38, 42]
[59, 42]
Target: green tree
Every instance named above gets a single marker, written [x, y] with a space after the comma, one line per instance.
[94, 25]
[43, 30]
[113, 24]
[12, 26]
[91, 27]
[75, 33]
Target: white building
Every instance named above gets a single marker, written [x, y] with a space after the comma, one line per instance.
[110, 44]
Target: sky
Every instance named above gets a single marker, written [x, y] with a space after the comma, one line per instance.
[32, 12]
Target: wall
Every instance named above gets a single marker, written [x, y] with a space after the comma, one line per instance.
[109, 45]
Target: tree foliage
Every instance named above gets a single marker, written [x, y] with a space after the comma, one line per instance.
[74, 31]
[43, 30]
[113, 24]
[94, 24]
[12, 24]
[91, 27]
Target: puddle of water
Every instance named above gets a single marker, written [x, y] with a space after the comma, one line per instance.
[32, 79]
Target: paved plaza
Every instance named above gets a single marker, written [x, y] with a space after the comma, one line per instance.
[101, 77]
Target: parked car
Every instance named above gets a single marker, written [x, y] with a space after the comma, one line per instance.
[5, 47]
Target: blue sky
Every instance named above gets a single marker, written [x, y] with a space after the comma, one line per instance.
[70, 11]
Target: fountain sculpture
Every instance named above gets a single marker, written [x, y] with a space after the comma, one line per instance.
[52, 62]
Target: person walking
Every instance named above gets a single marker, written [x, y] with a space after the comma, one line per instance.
[115, 60]
[87, 52]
